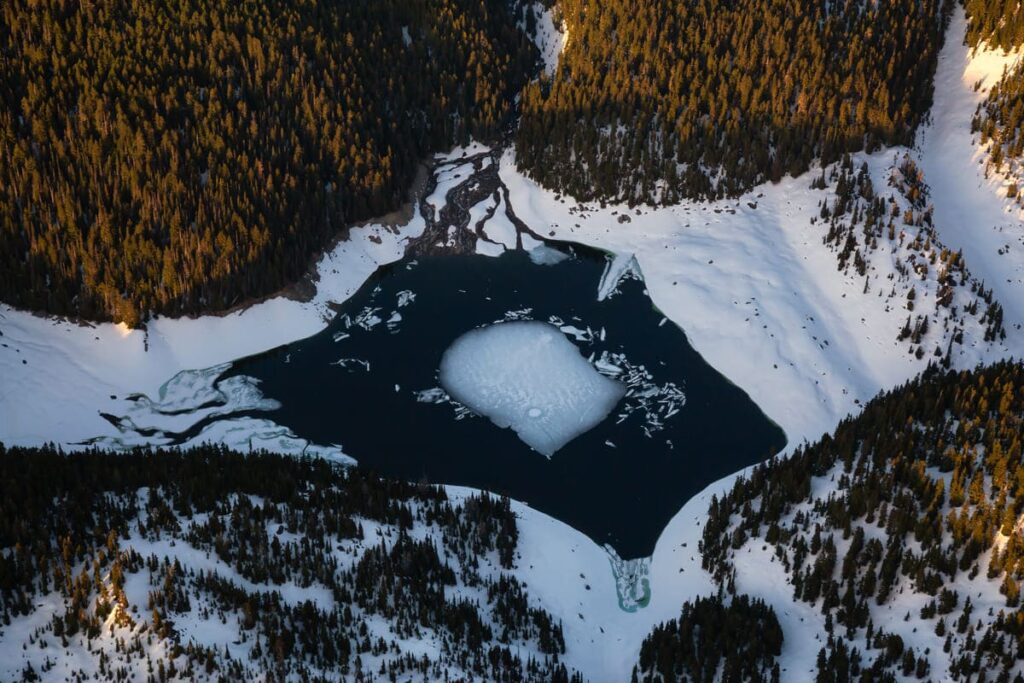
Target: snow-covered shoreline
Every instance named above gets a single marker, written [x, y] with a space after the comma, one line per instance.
[57, 375]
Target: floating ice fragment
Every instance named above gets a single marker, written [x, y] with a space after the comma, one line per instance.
[348, 363]
[366, 319]
[617, 268]
[526, 375]
[655, 402]
[520, 314]
[586, 336]
[435, 395]
[544, 255]
[406, 297]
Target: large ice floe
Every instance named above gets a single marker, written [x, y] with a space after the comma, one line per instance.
[528, 376]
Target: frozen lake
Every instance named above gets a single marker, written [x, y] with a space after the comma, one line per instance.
[370, 383]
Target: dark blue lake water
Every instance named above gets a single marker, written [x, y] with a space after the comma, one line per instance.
[366, 383]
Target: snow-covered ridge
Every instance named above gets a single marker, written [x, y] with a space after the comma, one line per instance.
[986, 66]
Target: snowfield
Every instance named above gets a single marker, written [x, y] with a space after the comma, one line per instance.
[749, 281]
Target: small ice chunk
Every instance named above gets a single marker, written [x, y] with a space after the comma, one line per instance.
[617, 268]
[547, 256]
[435, 395]
[576, 333]
[406, 297]
[528, 376]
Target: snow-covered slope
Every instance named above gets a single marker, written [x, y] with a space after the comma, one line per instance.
[759, 294]
[313, 577]
[971, 210]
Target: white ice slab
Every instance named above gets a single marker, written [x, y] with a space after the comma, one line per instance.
[528, 376]
[544, 255]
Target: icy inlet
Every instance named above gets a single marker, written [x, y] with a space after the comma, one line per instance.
[526, 375]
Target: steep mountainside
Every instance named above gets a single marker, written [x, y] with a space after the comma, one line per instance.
[902, 528]
[180, 156]
[210, 565]
[654, 102]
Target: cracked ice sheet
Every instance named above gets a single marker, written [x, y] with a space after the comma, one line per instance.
[240, 433]
[544, 255]
[526, 375]
[617, 268]
[195, 395]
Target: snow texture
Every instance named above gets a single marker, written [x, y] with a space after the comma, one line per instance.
[527, 376]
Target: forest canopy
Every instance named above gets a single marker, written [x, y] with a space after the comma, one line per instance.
[185, 156]
[1000, 23]
[178, 156]
[659, 101]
